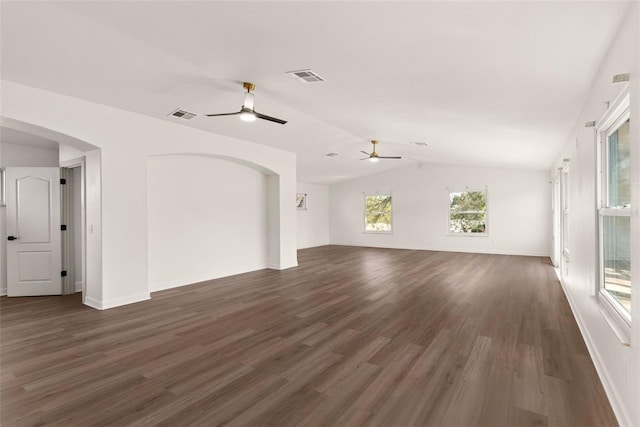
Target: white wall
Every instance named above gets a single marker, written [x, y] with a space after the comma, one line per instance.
[26, 155]
[126, 140]
[313, 223]
[67, 153]
[19, 155]
[518, 209]
[94, 292]
[618, 366]
[207, 219]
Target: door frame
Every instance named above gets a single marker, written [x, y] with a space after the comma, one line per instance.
[79, 162]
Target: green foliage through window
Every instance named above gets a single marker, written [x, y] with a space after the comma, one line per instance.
[377, 216]
[468, 212]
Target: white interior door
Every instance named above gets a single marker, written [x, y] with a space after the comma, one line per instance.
[33, 231]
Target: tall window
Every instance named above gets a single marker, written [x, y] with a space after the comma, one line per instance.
[468, 212]
[615, 209]
[564, 199]
[378, 213]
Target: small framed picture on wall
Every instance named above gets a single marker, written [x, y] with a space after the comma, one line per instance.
[301, 201]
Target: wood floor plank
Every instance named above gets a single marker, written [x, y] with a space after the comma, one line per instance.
[341, 396]
[519, 417]
[376, 394]
[498, 388]
[527, 389]
[284, 393]
[186, 400]
[469, 397]
[560, 408]
[353, 336]
[393, 404]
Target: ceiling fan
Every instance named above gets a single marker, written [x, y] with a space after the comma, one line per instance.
[247, 113]
[373, 156]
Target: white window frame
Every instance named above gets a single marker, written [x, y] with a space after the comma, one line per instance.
[486, 211]
[613, 311]
[556, 205]
[364, 214]
[564, 219]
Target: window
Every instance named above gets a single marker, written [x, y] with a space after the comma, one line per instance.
[564, 199]
[614, 210]
[468, 212]
[378, 213]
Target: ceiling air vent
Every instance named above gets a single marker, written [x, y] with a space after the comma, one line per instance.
[307, 76]
[331, 154]
[182, 114]
[619, 78]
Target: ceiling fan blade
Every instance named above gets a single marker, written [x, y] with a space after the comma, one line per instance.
[271, 119]
[223, 114]
[364, 152]
[383, 157]
[366, 158]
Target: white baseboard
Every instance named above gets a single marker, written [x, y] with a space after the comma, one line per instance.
[79, 286]
[314, 245]
[93, 303]
[614, 397]
[105, 305]
[163, 286]
[458, 250]
[280, 267]
[3, 292]
[156, 287]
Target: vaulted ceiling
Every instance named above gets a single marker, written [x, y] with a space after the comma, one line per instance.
[482, 83]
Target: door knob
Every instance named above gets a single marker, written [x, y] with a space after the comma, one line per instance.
[12, 238]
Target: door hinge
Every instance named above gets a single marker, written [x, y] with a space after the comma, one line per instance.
[63, 273]
[63, 181]
[63, 227]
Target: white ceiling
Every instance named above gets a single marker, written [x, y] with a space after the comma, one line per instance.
[483, 83]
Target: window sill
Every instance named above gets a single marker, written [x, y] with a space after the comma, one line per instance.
[468, 234]
[377, 232]
[621, 330]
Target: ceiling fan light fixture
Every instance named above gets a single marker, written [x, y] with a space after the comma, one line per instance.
[374, 157]
[247, 113]
[247, 116]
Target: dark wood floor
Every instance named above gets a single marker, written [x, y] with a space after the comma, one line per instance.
[354, 336]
